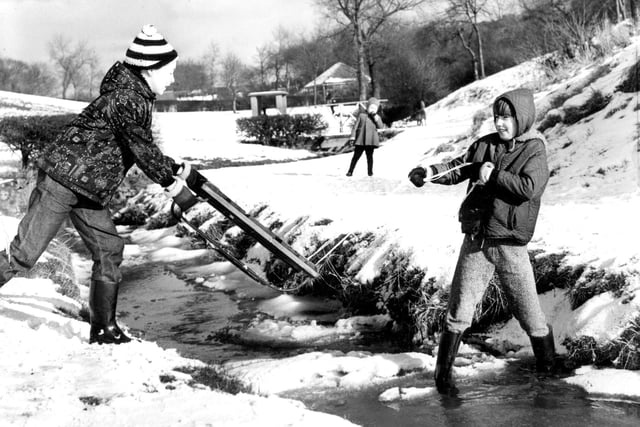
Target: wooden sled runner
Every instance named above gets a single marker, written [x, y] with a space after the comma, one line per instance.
[267, 238]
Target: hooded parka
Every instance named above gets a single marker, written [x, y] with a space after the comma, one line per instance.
[507, 206]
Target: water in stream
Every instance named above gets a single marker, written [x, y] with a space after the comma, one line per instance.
[159, 306]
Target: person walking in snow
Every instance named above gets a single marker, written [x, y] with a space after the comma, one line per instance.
[365, 135]
[82, 168]
[507, 173]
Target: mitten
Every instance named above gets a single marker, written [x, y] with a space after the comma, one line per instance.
[191, 177]
[419, 175]
[181, 195]
[485, 172]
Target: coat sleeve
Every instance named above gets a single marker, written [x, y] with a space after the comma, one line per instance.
[378, 121]
[530, 182]
[355, 127]
[129, 118]
[459, 175]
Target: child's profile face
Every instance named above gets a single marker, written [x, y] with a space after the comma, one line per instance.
[161, 78]
[506, 126]
[372, 109]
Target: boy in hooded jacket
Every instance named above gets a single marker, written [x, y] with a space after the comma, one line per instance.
[82, 168]
[365, 135]
[507, 173]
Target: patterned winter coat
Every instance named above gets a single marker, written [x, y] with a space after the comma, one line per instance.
[506, 208]
[95, 151]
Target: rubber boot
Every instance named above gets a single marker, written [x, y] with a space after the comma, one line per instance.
[544, 350]
[447, 350]
[103, 298]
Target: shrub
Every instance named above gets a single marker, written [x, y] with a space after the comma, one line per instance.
[585, 350]
[280, 130]
[595, 103]
[552, 118]
[30, 134]
[478, 119]
[551, 274]
[594, 283]
[402, 291]
[631, 83]
[621, 352]
[215, 378]
[443, 148]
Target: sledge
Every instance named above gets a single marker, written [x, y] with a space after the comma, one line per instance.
[267, 238]
[224, 251]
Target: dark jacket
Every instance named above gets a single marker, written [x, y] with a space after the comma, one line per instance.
[94, 152]
[365, 130]
[507, 207]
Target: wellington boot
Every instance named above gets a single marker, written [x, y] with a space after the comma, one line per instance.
[544, 350]
[103, 298]
[447, 350]
[111, 334]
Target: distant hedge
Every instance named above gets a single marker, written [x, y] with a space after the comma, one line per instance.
[280, 130]
[30, 134]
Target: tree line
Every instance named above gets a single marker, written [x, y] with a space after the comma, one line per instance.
[403, 60]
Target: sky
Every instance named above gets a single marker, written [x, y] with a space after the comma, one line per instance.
[27, 26]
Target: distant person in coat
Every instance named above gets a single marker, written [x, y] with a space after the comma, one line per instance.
[365, 135]
[82, 168]
[507, 173]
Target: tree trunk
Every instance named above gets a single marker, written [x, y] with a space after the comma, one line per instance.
[634, 10]
[375, 86]
[480, 50]
[360, 54]
[474, 59]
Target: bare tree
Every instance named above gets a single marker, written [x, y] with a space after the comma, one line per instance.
[315, 53]
[278, 59]
[468, 12]
[210, 61]
[18, 76]
[70, 61]
[262, 56]
[232, 69]
[365, 19]
[569, 26]
[93, 72]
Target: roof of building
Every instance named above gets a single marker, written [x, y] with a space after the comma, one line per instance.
[338, 73]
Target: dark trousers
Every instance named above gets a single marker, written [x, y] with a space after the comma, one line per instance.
[357, 152]
[50, 205]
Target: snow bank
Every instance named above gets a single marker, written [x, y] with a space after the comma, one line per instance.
[52, 376]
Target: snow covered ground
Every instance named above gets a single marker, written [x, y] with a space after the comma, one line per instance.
[589, 212]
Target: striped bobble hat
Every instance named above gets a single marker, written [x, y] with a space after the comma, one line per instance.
[149, 50]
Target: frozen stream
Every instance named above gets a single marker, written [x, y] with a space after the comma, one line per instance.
[158, 306]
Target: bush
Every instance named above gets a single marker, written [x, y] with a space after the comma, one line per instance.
[280, 130]
[595, 103]
[30, 134]
[213, 377]
[631, 83]
[594, 283]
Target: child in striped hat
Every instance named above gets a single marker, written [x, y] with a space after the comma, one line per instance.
[82, 168]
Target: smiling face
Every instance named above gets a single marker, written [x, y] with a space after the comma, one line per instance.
[506, 126]
[158, 80]
[504, 120]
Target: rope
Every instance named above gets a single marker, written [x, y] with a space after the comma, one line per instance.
[455, 168]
